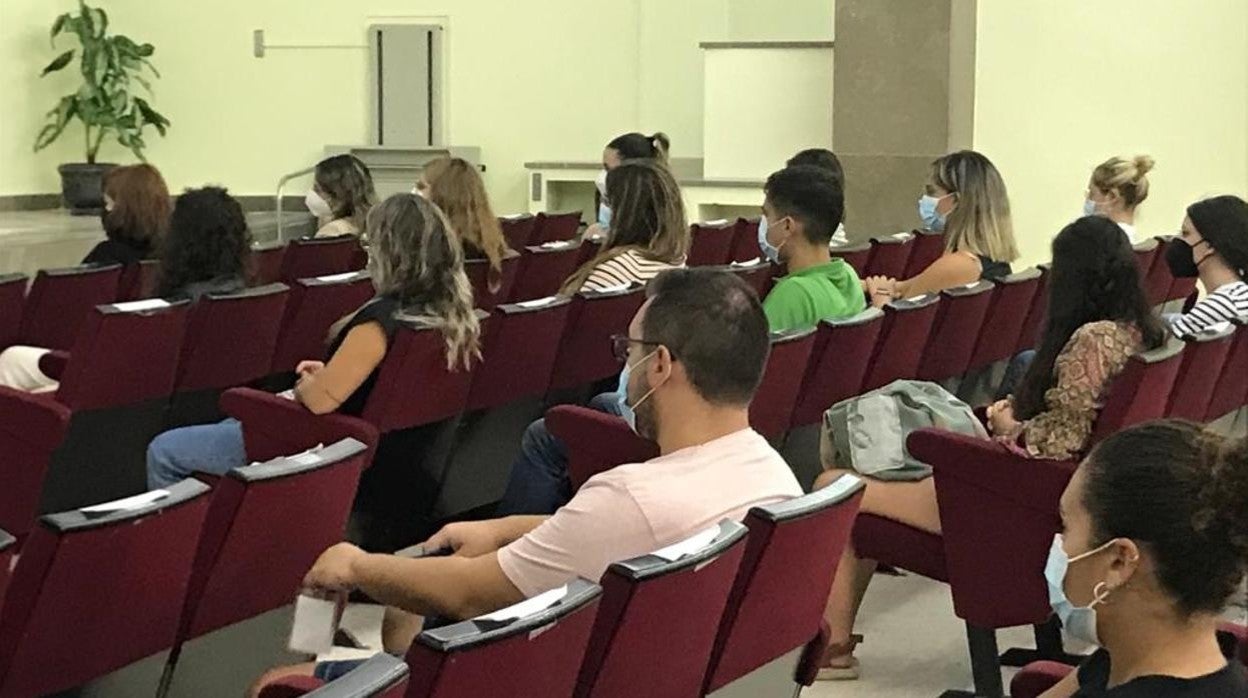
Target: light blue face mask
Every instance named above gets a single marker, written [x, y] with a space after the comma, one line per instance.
[628, 412]
[1079, 621]
[932, 219]
[1089, 207]
[604, 216]
[770, 251]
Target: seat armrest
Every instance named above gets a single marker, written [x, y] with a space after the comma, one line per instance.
[53, 363]
[291, 687]
[38, 413]
[1038, 677]
[596, 442]
[991, 467]
[275, 426]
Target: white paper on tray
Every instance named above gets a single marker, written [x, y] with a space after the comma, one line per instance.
[138, 501]
[528, 607]
[752, 263]
[314, 624]
[137, 306]
[331, 278]
[688, 546]
[556, 244]
[538, 302]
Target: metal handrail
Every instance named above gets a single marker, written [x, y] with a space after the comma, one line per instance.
[281, 186]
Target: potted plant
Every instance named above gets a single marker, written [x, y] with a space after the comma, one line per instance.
[105, 102]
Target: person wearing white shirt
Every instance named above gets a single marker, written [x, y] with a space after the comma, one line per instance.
[1214, 247]
[1117, 186]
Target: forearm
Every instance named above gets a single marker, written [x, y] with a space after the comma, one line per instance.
[512, 528]
[452, 587]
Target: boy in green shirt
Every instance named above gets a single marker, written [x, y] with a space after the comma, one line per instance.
[802, 210]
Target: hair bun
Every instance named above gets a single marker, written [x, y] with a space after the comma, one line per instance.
[1143, 165]
[1224, 504]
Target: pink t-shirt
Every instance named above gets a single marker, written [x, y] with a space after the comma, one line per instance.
[635, 509]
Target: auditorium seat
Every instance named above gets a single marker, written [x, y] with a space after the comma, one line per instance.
[658, 618]
[590, 247]
[309, 257]
[775, 610]
[478, 272]
[31, 430]
[139, 280]
[1147, 253]
[8, 548]
[1159, 282]
[711, 243]
[838, 364]
[274, 426]
[856, 255]
[312, 307]
[1029, 335]
[890, 255]
[60, 300]
[771, 410]
[116, 384]
[585, 354]
[757, 273]
[12, 298]
[518, 352]
[1142, 391]
[265, 264]
[928, 247]
[267, 524]
[907, 324]
[596, 441]
[1231, 391]
[230, 341]
[745, 241]
[543, 269]
[1012, 300]
[96, 591]
[1201, 368]
[959, 319]
[381, 676]
[518, 230]
[555, 227]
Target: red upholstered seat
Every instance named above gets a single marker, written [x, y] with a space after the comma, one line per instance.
[1147, 253]
[309, 257]
[1231, 391]
[856, 255]
[880, 538]
[94, 592]
[265, 264]
[776, 604]
[745, 241]
[1160, 285]
[555, 227]
[771, 410]
[585, 348]
[312, 307]
[60, 300]
[711, 243]
[544, 269]
[518, 230]
[1142, 391]
[757, 273]
[274, 426]
[959, 319]
[658, 619]
[838, 364]
[890, 255]
[12, 298]
[517, 352]
[1011, 302]
[8, 548]
[1029, 335]
[31, 429]
[382, 676]
[139, 280]
[928, 247]
[596, 441]
[907, 324]
[1201, 368]
[479, 275]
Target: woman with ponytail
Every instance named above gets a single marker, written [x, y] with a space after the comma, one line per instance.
[630, 146]
[1117, 186]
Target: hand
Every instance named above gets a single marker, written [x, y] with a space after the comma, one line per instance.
[308, 368]
[466, 538]
[333, 569]
[1001, 418]
[595, 231]
[880, 290]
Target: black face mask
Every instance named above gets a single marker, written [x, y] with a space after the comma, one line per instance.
[1179, 259]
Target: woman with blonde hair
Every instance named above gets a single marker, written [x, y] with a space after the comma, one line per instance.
[455, 186]
[649, 233]
[1117, 186]
[341, 195]
[966, 199]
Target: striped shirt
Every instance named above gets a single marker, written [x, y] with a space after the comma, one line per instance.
[624, 269]
[1229, 302]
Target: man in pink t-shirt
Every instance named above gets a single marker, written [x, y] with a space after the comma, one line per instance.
[694, 355]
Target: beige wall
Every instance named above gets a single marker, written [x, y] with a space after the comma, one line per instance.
[780, 20]
[1062, 85]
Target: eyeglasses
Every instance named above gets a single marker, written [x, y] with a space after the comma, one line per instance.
[620, 342]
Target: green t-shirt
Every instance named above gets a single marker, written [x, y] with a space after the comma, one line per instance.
[800, 300]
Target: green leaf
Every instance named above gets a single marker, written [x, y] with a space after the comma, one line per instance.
[60, 62]
[100, 20]
[151, 67]
[59, 118]
[57, 26]
[145, 50]
[143, 81]
[87, 21]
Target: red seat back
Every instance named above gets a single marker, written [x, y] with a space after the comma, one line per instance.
[312, 307]
[555, 227]
[1142, 391]
[856, 255]
[585, 348]
[771, 410]
[266, 525]
[60, 300]
[957, 326]
[12, 298]
[758, 275]
[890, 255]
[780, 591]
[415, 385]
[274, 426]
[1029, 336]
[139, 280]
[907, 324]
[480, 275]
[658, 618]
[595, 441]
[517, 354]
[1231, 391]
[711, 243]
[518, 230]
[536, 656]
[309, 257]
[1200, 371]
[231, 338]
[838, 364]
[1181, 289]
[543, 270]
[1147, 253]
[745, 241]
[928, 247]
[1158, 283]
[32, 427]
[126, 353]
[1003, 321]
[8, 547]
[95, 592]
[265, 264]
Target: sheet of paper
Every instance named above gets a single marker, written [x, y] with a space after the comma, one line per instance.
[338, 277]
[688, 546]
[716, 222]
[556, 245]
[312, 631]
[529, 606]
[147, 304]
[138, 501]
[537, 303]
[752, 263]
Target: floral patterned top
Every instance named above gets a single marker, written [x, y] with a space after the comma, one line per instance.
[1093, 357]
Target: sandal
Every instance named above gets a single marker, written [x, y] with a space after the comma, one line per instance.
[827, 672]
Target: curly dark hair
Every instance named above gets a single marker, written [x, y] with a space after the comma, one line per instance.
[208, 239]
[1094, 277]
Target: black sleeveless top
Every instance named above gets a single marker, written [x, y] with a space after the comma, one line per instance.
[991, 270]
[1229, 682]
[384, 311]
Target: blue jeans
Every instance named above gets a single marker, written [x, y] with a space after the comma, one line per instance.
[208, 448]
[539, 482]
[1014, 373]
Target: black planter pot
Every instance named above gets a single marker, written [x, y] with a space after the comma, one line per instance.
[82, 186]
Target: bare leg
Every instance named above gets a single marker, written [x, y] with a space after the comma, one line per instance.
[279, 673]
[853, 575]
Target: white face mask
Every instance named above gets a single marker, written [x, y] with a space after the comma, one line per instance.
[318, 206]
[1079, 621]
